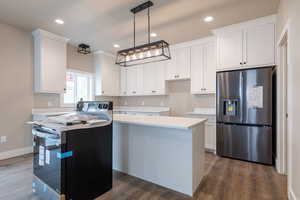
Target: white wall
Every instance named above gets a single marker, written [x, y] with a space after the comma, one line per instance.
[16, 83]
[289, 10]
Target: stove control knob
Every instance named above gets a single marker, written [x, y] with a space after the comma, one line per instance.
[105, 106]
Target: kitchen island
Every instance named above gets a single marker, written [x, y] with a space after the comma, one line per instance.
[168, 151]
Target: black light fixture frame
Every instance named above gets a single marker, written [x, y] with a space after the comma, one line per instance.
[161, 44]
[84, 49]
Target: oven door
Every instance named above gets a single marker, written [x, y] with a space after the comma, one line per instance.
[46, 165]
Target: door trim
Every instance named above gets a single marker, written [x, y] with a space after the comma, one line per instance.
[284, 153]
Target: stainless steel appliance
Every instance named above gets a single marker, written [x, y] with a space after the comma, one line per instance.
[73, 153]
[245, 112]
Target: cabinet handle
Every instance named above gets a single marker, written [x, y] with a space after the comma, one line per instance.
[134, 92]
[102, 92]
[153, 91]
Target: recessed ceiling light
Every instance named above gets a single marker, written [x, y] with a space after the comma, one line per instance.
[59, 21]
[116, 46]
[153, 34]
[208, 19]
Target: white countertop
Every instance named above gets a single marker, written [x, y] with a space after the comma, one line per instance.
[159, 121]
[203, 111]
[146, 109]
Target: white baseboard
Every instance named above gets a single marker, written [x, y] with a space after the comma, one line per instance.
[15, 153]
[291, 195]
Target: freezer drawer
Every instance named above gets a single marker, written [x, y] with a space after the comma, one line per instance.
[251, 143]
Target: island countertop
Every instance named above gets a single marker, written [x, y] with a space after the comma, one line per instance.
[159, 121]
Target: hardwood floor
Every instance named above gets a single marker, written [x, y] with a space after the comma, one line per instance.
[225, 179]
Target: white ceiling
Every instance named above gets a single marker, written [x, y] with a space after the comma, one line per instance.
[101, 23]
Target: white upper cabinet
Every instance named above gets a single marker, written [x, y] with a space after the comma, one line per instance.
[154, 78]
[123, 81]
[246, 45]
[107, 75]
[230, 49]
[179, 67]
[203, 68]
[197, 69]
[134, 80]
[210, 68]
[50, 62]
[260, 45]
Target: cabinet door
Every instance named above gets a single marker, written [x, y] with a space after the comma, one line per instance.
[123, 81]
[53, 66]
[197, 69]
[260, 45]
[160, 83]
[209, 76]
[154, 78]
[183, 63]
[230, 49]
[107, 76]
[210, 136]
[134, 80]
[148, 78]
[171, 72]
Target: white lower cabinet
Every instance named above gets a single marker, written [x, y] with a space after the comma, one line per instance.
[210, 136]
[210, 131]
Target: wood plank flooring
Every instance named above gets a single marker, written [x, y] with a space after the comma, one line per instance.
[225, 179]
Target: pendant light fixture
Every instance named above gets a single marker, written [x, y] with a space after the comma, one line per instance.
[146, 53]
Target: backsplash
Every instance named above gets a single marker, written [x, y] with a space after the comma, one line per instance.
[179, 99]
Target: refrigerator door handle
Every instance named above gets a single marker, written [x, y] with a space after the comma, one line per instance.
[241, 107]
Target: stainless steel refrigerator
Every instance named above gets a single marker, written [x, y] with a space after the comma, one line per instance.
[245, 114]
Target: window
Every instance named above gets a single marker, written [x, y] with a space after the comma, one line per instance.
[79, 85]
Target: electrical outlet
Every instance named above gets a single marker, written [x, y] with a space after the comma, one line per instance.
[3, 139]
[143, 103]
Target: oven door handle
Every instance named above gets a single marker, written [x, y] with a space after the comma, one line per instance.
[45, 135]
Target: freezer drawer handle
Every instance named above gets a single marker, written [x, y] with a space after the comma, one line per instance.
[65, 155]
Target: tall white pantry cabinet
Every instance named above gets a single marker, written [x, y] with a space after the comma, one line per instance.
[50, 62]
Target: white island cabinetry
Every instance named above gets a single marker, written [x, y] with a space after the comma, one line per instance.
[168, 151]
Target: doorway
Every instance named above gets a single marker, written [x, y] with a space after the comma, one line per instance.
[283, 97]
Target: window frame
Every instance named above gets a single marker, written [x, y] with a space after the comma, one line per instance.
[91, 86]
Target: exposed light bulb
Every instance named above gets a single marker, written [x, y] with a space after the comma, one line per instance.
[153, 34]
[133, 57]
[157, 52]
[149, 54]
[141, 56]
